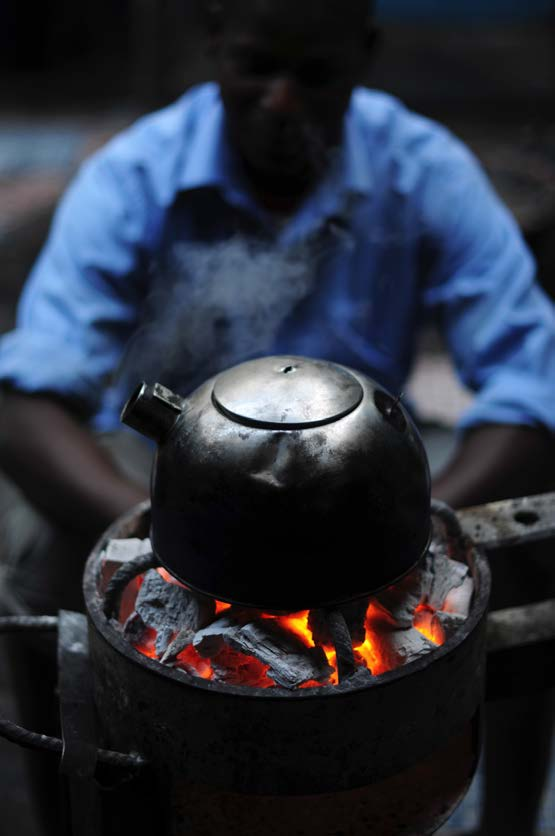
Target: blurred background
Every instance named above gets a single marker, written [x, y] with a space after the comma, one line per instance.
[72, 74]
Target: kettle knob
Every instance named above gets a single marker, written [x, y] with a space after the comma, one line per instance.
[153, 411]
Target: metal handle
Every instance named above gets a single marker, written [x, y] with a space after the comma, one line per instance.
[512, 522]
[520, 640]
[32, 740]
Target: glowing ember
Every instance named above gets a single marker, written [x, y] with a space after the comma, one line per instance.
[235, 668]
[395, 632]
[147, 645]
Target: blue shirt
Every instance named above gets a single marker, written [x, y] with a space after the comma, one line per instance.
[161, 265]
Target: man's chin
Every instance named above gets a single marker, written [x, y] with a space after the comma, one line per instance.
[285, 175]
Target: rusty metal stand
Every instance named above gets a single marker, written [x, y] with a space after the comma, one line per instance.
[78, 722]
[521, 639]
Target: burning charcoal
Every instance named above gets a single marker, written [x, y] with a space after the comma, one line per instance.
[210, 640]
[437, 626]
[395, 648]
[233, 668]
[164, 605]
[448, 575]
[361, 677]
[355, 616]
[134, 628]
[343, 644]
[450, 622]
[427, 623]
[400, 601]
[183, 639]
[318, 626]
[163, 640]
[290, 661]
[459, 599]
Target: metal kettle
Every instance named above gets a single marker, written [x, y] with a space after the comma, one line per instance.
[285, 483]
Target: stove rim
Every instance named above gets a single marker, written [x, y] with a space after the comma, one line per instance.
[478, 565]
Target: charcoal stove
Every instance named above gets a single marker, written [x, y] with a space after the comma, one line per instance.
[327, 760]
[185, 756]
[391, 753]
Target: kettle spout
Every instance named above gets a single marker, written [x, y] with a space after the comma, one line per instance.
[153, 411]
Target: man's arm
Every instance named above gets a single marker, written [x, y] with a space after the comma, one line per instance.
[59, 466]
[480, 287]
[497, 462]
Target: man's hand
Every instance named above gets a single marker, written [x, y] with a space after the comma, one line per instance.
[497, 462]
[59, 466]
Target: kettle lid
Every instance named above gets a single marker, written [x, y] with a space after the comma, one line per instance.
[286, 393]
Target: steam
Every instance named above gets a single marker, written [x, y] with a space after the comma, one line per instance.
[218, 305]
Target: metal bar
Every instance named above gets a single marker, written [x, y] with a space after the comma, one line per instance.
[513, 522]
[78, 720]
[521, 650]
[520, 640]
[521, 626]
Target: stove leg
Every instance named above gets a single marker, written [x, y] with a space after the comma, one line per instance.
[78, 720]
[518, 736]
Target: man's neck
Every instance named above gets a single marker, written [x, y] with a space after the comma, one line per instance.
[278, 196]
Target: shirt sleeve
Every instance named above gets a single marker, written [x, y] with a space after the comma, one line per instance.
[498, 323]
[81, 301]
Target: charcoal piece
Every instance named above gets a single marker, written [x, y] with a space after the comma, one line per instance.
[450, 622]
[236, 669]
[183, 639]
[396, 648]
[186, 667]
[459, 599]
[134, 628]
[122, 551]
[212, 639]
[167, 605]
[439, 626]
[362, 676]
[400, 601]
[447, 575]
[163, 640]
[355, 616]
[319, 627]
[291, 662]
[116, 554]
[342, 643]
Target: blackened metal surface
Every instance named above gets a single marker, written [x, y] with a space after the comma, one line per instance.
[415, 802]
[78, 723]
[279, 742]
[512, 522]
[153, 410]
[333, 512]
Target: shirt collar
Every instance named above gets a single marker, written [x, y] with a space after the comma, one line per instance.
[357, 171]
[208, 159]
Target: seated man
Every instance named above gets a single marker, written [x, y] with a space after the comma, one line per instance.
[282, 209]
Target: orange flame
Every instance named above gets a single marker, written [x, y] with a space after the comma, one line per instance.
[241, 669]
